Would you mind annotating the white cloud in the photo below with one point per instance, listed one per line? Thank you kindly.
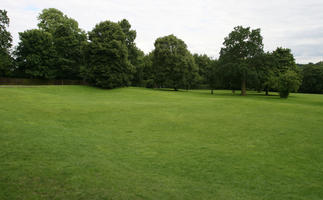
(201, 24)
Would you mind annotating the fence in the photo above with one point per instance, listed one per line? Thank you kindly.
(24, 81)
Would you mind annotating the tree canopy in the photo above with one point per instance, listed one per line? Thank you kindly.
(173, 62)
(239, 51)
(107, 57)
(5, 44)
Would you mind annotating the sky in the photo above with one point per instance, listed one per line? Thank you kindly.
(203, 24)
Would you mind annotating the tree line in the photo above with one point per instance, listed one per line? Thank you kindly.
(107, 57)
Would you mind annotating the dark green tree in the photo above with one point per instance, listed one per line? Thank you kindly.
(203, 62)
(213, 76)
(312, 78)
(5, 45)
(289, 81)
(284, 60)
(69, 41)
(171, 61)
(107, 54)
(191, 73)
(240, 48)
(266, 74)
(135, 55)
(36, 54)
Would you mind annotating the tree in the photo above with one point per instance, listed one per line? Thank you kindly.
(107, 54)
(266, 75)
(171, 61)
(135, 55)
(36, 54)
(69, 41)
(212, 75)
(284, 60)
(288, 82)
(240, 48)
(312, 78)
(191, 73)
(5, 44)
(203, 62)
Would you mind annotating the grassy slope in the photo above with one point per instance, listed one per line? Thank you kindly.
(77, 142)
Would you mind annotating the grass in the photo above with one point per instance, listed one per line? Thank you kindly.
(77, 142)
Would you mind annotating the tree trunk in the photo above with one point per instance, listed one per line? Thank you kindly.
(243, 87)
(267, 92)
(233, 91)
(175, 89)
(212, 91)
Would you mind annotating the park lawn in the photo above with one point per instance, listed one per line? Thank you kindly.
(78, 142)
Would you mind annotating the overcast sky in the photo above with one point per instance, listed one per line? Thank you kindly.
(203, 24)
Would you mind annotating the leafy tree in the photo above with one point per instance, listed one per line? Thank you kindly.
(203, 62)
(107, 55)
(265, 77)
(191, 73)
(212, 75)
(312, 78)
(135, 55)
(240, 48)
(289, 81)
(5, 44)
(69, 41)
(36, 54)
(284, 60)
(171, 61)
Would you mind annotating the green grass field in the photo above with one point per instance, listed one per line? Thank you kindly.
(77, 142)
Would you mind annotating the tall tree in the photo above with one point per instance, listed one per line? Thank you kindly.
(108, 65)
(69, 41)
(266, 72)
(170, 61)
(312, 78)
(212, 75)
(5, 44)
(36, 54)
(191, 73)
(135, 55)
(203, 62)
(240, 48)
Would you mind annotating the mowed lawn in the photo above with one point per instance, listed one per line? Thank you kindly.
(77, 142)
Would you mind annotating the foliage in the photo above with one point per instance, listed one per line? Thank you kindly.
(5, 45)
(173, 64)
(240, 48)
(69, 41)
(312, 78)
(36, 54)
(288, 82)
(203, 62)
(107, 56)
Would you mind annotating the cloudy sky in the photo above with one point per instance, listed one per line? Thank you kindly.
(202, 24)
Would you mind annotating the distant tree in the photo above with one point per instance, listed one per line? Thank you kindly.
(212, 75)
(69, 41)
(312, 78)
(191, 73)
(107, 54)
(284, 60)
(171, 61)
(240, 48)
(203, 62)
(289, 81)
(5, 45)
(266, 74)
(135, 55)
(36, 54)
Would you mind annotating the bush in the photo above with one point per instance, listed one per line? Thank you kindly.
(288, 82)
